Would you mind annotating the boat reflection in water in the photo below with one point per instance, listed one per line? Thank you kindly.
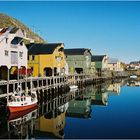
(52, 124)
(22, 117)
(21, 125)
(133, 82)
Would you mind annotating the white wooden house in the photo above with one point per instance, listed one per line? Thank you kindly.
(114, 65)
(13, 52)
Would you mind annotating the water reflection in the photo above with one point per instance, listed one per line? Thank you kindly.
(133, 82)
(52, 123)
(49, 119)
(80, 107)
(19, 125)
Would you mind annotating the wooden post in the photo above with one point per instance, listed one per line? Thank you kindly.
(26, 88)
(8, 85)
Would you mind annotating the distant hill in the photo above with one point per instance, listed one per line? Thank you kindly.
(135, 62)
(7, 21)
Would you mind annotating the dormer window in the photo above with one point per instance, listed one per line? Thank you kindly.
(16, 40)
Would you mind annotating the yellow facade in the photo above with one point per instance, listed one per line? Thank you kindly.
(42, 61)
(53, 125)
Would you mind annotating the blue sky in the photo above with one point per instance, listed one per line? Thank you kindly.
(111, 28)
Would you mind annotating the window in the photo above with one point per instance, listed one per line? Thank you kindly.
(6, 40)
(6, 53)
(21, 55)
(14, 57)
(32, 68)
(33, 57)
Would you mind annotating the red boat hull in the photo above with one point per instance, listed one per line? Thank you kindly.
(21, 108)
(15, 115)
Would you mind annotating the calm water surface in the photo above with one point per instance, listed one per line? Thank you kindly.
(109, 110)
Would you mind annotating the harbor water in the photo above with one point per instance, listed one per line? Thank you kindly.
(107, 110)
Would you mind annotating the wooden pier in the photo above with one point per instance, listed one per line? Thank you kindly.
(48, 85)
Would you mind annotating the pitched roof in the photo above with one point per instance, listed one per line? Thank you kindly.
(97, 58)
(113, 60)
(34, 49)
(14, 30)
(75, 51)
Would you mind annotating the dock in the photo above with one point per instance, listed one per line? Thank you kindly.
(48, 85)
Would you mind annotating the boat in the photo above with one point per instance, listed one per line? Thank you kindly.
(15, 115)
(73, 87)
(133, 76)
(20, 101)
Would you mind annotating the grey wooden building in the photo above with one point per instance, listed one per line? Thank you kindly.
(79, 60)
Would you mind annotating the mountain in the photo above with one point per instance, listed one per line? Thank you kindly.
(7, 21)
(135, 62)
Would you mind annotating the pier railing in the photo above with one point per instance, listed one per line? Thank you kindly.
(44, 83)
(32, 84)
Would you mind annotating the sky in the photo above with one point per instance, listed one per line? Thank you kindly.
(111, 28)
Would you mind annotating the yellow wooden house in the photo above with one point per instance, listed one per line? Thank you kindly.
(46, 59)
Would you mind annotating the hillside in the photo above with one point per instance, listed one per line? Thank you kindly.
(7, 21)
(135, 62)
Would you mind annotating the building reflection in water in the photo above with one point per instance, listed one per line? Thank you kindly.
(48, 121)
(99, 95)
(52, 123)
(133, 82)
(114, 88)
(80, 107)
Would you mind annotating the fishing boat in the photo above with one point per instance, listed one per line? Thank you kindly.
(20, 102)
(73, 87)
(15, 116)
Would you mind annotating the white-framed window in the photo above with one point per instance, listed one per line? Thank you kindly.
(14, 57)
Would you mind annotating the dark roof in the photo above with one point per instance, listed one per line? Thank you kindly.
(97, 58)
(14, 30)
(34, 49)
(79, 115)
(97, 102)
(113, 60)
(75, 51)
